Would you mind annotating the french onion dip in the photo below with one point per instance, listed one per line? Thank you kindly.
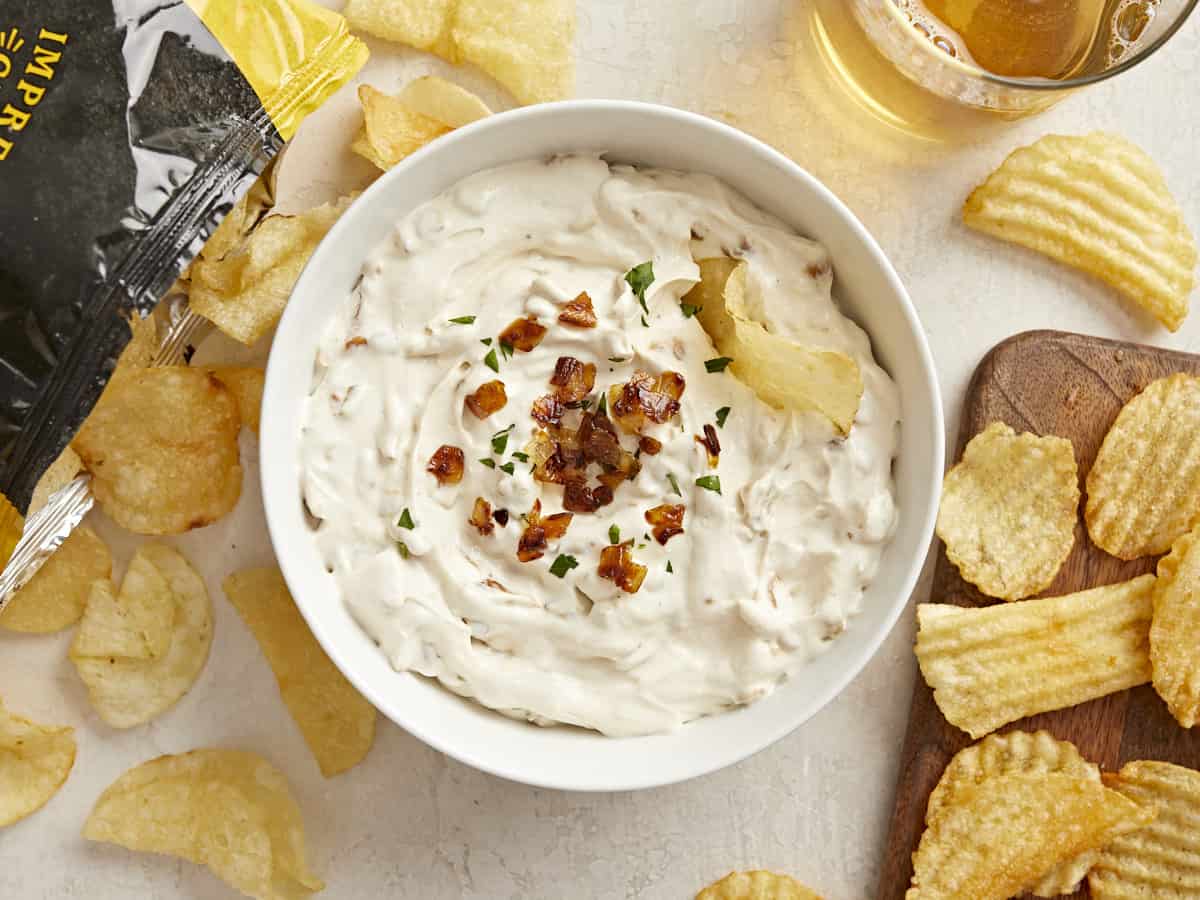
(534, 480)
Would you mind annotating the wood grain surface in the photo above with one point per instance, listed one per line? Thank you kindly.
(1046, 382)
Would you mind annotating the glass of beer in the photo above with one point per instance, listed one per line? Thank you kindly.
(1001, 58)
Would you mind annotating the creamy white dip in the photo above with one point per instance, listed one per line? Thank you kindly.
(765, 574)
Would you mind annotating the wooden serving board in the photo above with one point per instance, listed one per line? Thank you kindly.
(1046, 382)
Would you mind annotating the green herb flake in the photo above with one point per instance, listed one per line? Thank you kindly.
(404, 554)
(463, 320)
(506, 349)
(710, 483)
(500, 440)
(489, 462)
(602, 406)
(616, 359)
(722, 415)
(614, 534)
(670, 568)
(717, 365)
(639, 279)
(674, 483)
(689, 310)
(645, 324)
(491, 362)
(508, 468)
(562, 565)
(487, 342)
(406, 520)
(518, 455)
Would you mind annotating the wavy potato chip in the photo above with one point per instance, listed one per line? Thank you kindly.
(1144, 487)
(337, 722)
(391, 130)
(782, 372)
(127, 691)
(1010, 830)
(1175, 630)
(228, 810)
(994, 665)
(1008, 511)
(56, 596)
(1162, 860)
(246, 385)
(135, 624)
(1100, 204)
(242, 282)
(1017, 753)
(35, 760)
(757, 885)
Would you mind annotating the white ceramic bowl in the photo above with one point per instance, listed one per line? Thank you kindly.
(868, 290)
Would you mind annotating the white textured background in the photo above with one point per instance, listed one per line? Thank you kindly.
(410, 823)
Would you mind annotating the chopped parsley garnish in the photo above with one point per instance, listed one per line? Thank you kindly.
(722, 415)
(670, 568)
(489, 462)
(717, 365)
(403, 550)
(640, 278)
(406, 520)
(602, 406)
(710, 483)
(645, 324)
(506, 349)
(616, 359)
(689, 310)
(523, 457)
(508, 468)
(563, 564)
(614, 534)
(463, 320)
(491, 362)
(674, 483)
(500, 440)
(487, 342)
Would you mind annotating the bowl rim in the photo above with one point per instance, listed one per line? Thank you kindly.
(276, 382)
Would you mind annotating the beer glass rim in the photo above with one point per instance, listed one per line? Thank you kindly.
(1046, 85)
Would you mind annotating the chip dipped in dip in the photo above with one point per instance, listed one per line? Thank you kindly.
(535, 480)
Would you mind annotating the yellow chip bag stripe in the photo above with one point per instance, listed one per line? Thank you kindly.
(998, 664)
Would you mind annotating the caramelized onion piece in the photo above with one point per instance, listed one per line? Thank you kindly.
(598, 439)
(711, 444)
(547, 411)
(645, 397)
(481, 517)
(446, 465)
(357, 341)
(579, 497)
(488, 398)
(501, 517)
(617, 565)
(667, 521)
(572, 379)
(523, 334)
(539, 532)
(579, 312)
(649, 445)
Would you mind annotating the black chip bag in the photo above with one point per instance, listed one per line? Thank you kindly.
(128, 129)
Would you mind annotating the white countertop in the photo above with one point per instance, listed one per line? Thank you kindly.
(410, 823)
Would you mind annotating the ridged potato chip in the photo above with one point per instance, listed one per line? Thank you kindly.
(246, 385)
(994, 665)
(1018, 753)
(1100, 204)
(1175, 631)
(35, 760)
(1008, 511)
(757, 885)
(337, 722)
(241, 281)
(56, 596)
(228, 810)
(781, 371)
(162, 449)
(1162, 860)
(127, 691)
(1144, 487)
(1010, 830)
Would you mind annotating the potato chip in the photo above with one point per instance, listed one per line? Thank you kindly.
(391, 130)
(782, 372)
(526, 45)
(61, 473)
(1175, 631)
(242, 286)
(424, 24)
(757, 885)
(229, 810)
(35, 760)
(56, 596)
(1100, 204)
(1144, 487)
(1018, 753)
(1008, 511)
(246, 385)
(337, 722)
(444, 101)
(128, 691)
(162, 448)
(1162, 860)
(135, 624)
(1008, 831)
(993, 665)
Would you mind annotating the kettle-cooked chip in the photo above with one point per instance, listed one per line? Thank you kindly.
(127, 691)
(228, 810)
(1017, 753)
(1010, 830)
(162, 448)
(246, 385)
(134, 624)
(444, 101)
(1175, 631)
(61, 473)
(391, 130)
(757, 885)
(993, 665)
(781, 371)
(1144, 487)
(337, 722)
(1008, 511)
(34, 762)
(56, 596)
